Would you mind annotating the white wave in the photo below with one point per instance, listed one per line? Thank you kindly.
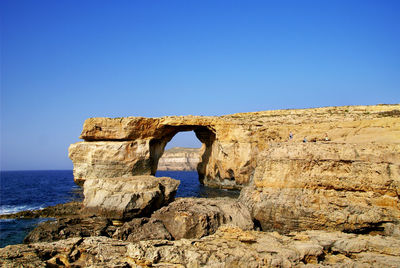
(8, 209)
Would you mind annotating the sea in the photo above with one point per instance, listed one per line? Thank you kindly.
(31, 190)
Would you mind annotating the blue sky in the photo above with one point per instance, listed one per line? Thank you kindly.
(65, 61)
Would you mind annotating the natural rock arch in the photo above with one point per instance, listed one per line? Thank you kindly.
(292, 185)
(205, 134)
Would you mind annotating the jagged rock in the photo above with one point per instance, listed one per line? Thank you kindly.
(125, 198)
(228, 247)
(317, 186)
(135, 230)
(70, 209)
(142, 229)
(179, 159)
(198, 217)
(64, 228)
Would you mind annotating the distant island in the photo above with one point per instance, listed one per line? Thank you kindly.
(180, 159)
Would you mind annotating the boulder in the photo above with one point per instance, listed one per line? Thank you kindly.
(198, 217)
(126, 198)
(141, 229)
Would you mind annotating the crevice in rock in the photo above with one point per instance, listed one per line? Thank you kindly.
(372, 229)
(257, 225)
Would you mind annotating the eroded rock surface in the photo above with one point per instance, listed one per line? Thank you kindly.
(317, 186)
(183, 218)
(71, 209)
(198, 217)
(129, 197)
(64, 228)
(179, 159)
(228, 247)
(346, 176)
(119, 147)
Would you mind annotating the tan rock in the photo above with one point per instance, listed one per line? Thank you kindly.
(231, 143)
(345, 177)
(180, 159)
(102, 159)
(324, 186)
(228, 247)
(198, 217)
(125, 198)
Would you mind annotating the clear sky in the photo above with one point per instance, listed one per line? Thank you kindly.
(65, 61)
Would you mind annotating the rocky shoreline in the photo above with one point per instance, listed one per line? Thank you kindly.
(71, 209)
(227, 247)
(191, 232)
(334, 201)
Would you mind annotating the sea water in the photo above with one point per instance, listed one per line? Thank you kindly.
(30, 190)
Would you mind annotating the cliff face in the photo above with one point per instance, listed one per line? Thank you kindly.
(180, 159)
(346, 176)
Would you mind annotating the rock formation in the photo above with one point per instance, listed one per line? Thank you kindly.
(120, 147)
(345, 177)
(198, 217)
(128, 197)
(179, 159)
(308, 174)
(228, 247)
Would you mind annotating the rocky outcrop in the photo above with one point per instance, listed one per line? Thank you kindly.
(180, 159)
(141, 229)
(228, 247)
(183, 218)
(121, 147)
(324, 186)
(70, 209)
(129, 197)
(64, 228)
(138, 229)
(346, 176)
(198, 217)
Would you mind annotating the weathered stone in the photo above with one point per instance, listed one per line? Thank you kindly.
(345, 177)
(198, 217)
(141, 229)
(64, 228)
(71, 209)
(317, 186)
(228, 247)
(110, 159)
(179, 159)
(138, 229)
(125, 198)
(231, 143)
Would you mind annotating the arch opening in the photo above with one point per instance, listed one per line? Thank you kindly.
(192, 181)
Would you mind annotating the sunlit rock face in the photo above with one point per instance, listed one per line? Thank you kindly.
(129, 197)
(333, 166)
(179, 159)
(325, 186)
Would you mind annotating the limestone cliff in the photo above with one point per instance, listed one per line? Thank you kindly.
(179, 159)
(345, 176)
